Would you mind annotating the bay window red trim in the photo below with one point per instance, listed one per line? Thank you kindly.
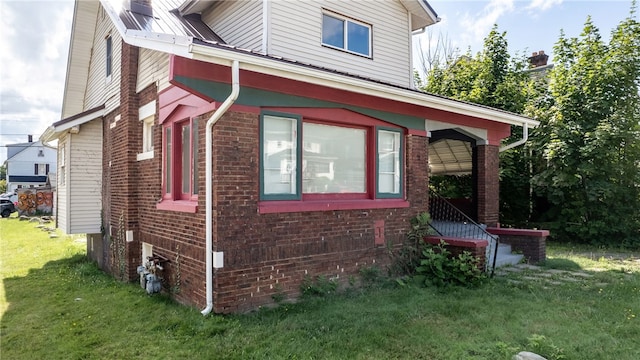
(271, 207)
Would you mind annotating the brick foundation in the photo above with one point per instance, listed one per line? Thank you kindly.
(476, 247)
(532, 243)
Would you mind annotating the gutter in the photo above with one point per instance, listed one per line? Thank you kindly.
(525, 136)
(235, 90)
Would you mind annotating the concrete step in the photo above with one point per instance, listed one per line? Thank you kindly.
(504, 249)
(461, 230)
(508, 259)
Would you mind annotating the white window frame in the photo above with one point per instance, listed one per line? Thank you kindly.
(345, 21)
(62, 177)
(146, 115)
(108, 44)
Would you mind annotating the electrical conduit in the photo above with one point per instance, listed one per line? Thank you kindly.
(235, 90)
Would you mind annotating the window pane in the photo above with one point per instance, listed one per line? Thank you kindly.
(389, 162)
(279, 157)
(109, 53)
(333, 160)
(358, 38)
(194, 151)
(167, 160)
(185, 152)
(332, 31)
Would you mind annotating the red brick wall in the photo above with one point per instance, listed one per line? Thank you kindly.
(273, 252)
(488, 184)
(264, 254)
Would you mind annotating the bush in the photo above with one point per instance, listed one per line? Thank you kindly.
(439, 268)
(407, 259)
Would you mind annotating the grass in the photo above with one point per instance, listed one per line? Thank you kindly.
(57, 305)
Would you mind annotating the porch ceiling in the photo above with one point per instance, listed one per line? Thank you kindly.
(450, 157)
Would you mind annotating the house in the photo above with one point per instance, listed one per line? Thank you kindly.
(28, 164)
(245, 145)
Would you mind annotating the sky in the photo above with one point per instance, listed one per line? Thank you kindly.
(35, 35)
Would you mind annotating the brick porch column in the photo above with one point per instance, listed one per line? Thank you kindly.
(488, 184)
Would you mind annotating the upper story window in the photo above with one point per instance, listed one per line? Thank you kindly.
(346, 34)
(40, 169)
(308, 159)
(109, 57)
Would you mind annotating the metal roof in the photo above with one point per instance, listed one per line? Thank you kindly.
(164, 18)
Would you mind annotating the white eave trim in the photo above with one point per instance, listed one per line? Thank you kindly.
(53, 132)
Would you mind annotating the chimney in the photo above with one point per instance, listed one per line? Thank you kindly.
(30, 138)
(142, 7)
(538, 59)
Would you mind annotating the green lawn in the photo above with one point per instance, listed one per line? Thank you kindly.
(56, 305)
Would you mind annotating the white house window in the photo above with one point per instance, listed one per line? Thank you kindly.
(346, 34)
(146, 114)
(40, 153)
(389, 163)
(109, 57)
(41, 169)
(62, 173)
(319, 159)
(333, 159)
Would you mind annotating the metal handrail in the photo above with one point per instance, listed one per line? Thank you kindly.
(458, 224)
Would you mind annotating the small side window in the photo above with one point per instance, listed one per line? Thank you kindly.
(109, 57)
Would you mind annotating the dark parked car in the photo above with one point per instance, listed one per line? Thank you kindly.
(6, 207)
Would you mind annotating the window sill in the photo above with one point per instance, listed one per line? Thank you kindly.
(145, 155)
(178, 205)
(271, 207)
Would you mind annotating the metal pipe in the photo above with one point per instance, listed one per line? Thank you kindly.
(235, 90)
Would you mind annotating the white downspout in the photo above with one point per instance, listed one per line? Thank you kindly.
(235, 90)
(525, 136)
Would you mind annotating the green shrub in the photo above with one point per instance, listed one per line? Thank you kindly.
(321, 286)
(405, 261)
(439, 268)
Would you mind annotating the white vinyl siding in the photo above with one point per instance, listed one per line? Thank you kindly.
(153, 68)
(238, 23)
(84, 180)
(296, 33)
(99, 90)
(62, 188)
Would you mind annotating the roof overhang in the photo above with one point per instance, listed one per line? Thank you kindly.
(221, 54)
(262, 64)
(422, 14)
(54, 131)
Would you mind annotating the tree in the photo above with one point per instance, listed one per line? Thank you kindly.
(494, 79)
(590, 137)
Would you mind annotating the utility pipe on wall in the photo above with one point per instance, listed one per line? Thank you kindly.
(525, 136)
(235, 90)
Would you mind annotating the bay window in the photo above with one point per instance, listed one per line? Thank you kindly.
(307, 160)
(180, 161)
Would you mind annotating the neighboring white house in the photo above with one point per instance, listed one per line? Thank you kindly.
(79, 183)
(28, 164)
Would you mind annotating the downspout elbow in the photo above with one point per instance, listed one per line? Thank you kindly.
(224, 107)
(525, 137)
